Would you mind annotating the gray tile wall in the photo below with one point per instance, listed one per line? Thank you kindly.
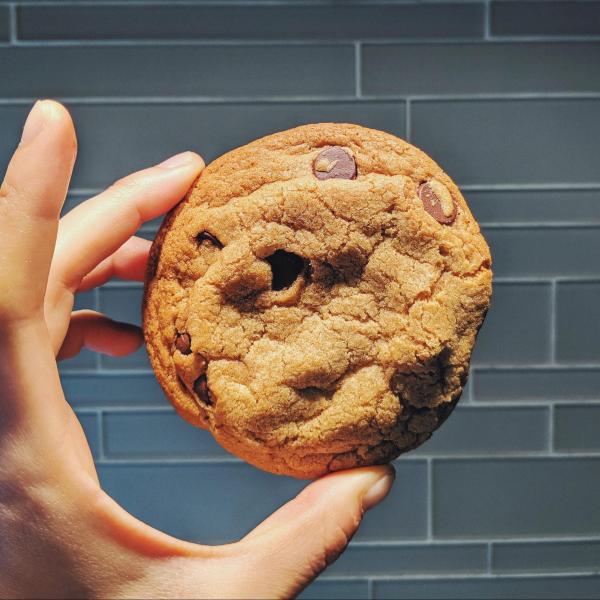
(505, 500)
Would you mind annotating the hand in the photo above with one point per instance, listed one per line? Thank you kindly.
(60, 535)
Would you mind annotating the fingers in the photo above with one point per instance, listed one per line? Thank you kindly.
(93, 330)
(95, 229)
(128, 262)
(31, 197)
(303, 537)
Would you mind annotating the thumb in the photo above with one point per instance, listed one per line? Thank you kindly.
(303, 537)
(31, 197)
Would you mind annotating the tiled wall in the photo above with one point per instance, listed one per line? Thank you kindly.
(505, 500)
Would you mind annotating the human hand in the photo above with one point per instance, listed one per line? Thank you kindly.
(61, 536)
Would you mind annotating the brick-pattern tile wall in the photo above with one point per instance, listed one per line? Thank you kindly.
(505, 499)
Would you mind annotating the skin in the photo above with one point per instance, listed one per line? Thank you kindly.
(61, 535)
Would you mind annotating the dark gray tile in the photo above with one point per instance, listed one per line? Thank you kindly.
(479, 68)
(355, 589)
(578, 322)
(519, 497)
(115, 140)
(211, 503)
(536, 384)
(411, 560)
(535, 252)
(572, 588)
(122, 303)
(511, 141)
(517, 326)
(231, 22)
(89, 423)
(178, 70)
(403, 514)
(129, 434)
(112, 389)
(4, 24)
(576, 428)
(477, 430)
(535, 206)
(562, 17)
(545, 556)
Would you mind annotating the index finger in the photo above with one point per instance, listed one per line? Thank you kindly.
(95, 229)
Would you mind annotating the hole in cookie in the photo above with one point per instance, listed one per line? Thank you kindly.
(208, 238)
(286, 268)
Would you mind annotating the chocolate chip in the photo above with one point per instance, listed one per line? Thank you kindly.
(183, 343)
(202, 391)
(438, 202)
(204, 236)
(286, 268)
(334, 163)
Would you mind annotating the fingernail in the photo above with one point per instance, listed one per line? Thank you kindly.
(179, 160)
(34, 124)
(378, 491)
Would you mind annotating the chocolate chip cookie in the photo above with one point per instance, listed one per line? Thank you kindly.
(315, 298)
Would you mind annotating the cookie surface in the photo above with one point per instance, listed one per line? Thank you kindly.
(315, 299)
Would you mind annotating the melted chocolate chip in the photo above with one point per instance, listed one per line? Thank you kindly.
(334, 163)
(286, 268)
(202, 391)
(440, 206)
(183, 343)
(204, 236)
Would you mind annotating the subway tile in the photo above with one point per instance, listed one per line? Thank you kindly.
(112, 389)
(555, 18)
(480, 430)
(355, 589)
(155, 434)
(420, 559)
(576, 429)
(546, 556)
(89, 423)
(535, 206)
(260, 22)
(580, 587)
(535, 384)
(518, 497)
(481, 142)
(209, 503)
(4, 24)
(115, 140)
(578, 322)
(403, 514)
(552, 252)
(123, 303)
(177, 70)
(479, 68)
(517, 326)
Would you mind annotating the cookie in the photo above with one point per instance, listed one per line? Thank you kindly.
(315, 298)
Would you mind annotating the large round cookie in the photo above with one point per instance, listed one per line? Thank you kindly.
(315, 299)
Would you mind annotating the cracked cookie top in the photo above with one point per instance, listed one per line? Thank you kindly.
(315, 299)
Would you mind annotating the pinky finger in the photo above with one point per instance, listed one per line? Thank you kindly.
(93, 330)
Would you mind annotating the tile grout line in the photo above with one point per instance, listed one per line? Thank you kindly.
(100, 433)
(12, 15)
(487, 25)
(357, 70)
(370, 590)
(430, 499)
(551, 413)
(553, 320)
